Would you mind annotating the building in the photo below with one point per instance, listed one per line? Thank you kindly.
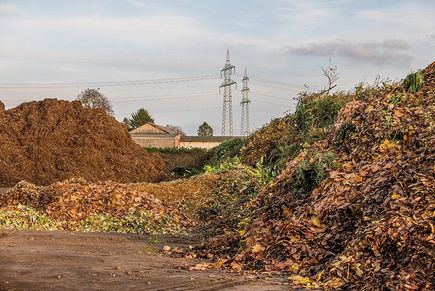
(155, 136)
(205, 142)
(159, 136)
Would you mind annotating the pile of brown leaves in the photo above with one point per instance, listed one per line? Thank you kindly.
(370, 223)
(188, 196)
(75, 200)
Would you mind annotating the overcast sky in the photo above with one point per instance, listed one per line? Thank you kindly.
(47, 47)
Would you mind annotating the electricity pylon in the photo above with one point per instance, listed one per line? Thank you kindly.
(244, 127)
(227, 111)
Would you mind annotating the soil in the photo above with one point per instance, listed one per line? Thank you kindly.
(52, 140)
(106, 261)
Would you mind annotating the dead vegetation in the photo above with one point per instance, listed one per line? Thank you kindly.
(338, 195)
(354, 207)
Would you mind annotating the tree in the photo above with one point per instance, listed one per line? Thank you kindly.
(205, 130)
(177, 129)
(332, 77)
(137, 119)
(93, 98)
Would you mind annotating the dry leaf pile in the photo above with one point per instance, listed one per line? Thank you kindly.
(106, 206)
(188, 196)
(369, 224)
(52, 140)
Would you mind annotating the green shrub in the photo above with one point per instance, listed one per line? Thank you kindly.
(413, 82)
(175, 150)
(320, 112)
(225, 165)
(263, 174)
(226, 150)
(310, 173)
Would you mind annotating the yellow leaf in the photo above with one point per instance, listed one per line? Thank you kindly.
(293, 268)
(387, 145)
(377, 266)
(395, 196)
(242, 232)
(316, 222)
(358, 271)
(257, 248)
(299, 280)
(369, 109)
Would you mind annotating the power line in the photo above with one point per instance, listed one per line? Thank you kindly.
(180, 110)
(273, 83)
(276, 87)
(184, 96)
(271, 103)
(270, 96)
(109, 83)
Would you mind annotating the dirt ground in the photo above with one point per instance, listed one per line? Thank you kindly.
(32, 260)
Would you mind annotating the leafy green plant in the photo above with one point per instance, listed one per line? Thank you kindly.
(263, 174)
(310, 173)
(396, 98)
(227, 149)
(320, 112)
(225, 165)
(413, 82)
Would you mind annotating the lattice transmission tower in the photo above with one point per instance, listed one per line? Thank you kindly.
(244, 127)
(227, 111)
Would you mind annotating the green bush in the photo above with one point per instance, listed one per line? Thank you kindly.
(320, 112)
(413, 82)
(175, 150)
(310, 123)
(310, 173)
(226, 150)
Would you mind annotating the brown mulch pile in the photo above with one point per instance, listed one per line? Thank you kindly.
(52, 140)
(370, 224)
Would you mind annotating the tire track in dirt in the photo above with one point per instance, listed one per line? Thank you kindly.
(105, 261)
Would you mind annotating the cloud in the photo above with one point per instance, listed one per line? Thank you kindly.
(7, 8)
(383, 52)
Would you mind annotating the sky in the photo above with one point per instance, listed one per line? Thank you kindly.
(166, 56)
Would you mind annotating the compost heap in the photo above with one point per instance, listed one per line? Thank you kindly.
(76, 204)
(52, 140)
(369, 223)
